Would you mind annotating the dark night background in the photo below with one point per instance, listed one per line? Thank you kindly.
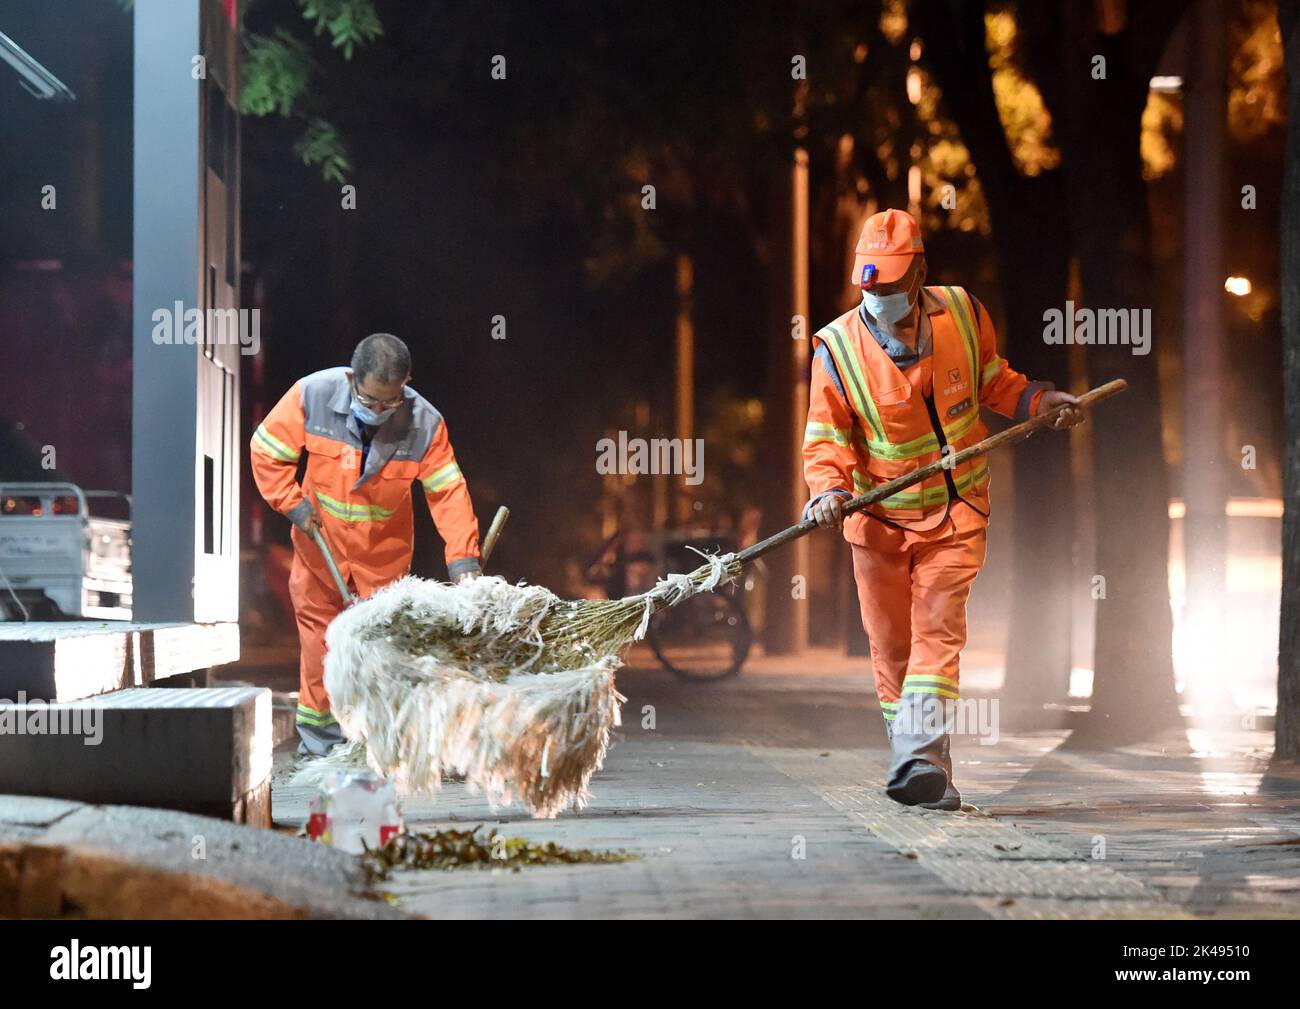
(475, 198)
(520, 198)
(1132, 654)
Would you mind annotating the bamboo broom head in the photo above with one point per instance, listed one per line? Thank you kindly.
(509, 686)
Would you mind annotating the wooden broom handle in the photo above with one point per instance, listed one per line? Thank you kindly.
(318, 535)
(493, 534)
(1011, 435)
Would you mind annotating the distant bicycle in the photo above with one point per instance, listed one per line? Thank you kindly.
(705, 638)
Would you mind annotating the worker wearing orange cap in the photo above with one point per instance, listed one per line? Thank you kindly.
(368, 436)
(898, 382)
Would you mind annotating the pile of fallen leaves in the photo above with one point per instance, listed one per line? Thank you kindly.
(474, 849)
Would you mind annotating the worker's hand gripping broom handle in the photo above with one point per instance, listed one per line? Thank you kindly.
(1007, 437)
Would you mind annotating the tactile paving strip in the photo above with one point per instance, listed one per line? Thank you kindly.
(975, 854)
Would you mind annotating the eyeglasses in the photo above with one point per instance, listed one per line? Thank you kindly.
(370, 403)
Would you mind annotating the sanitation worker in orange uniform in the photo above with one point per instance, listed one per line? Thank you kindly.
(368, 435)
(898, 382)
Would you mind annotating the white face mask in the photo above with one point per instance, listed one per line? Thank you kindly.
(889, 308)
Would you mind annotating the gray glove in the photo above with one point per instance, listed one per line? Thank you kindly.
(303, 515)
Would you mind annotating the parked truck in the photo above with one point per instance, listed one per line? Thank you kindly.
(59, 561)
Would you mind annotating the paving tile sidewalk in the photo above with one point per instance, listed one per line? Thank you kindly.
(760, 797)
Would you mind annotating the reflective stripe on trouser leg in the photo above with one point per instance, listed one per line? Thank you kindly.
(884, 596)
(942, 573)
(317, 731)
(315, 604)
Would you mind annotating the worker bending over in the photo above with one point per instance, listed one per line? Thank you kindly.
(898, 382)
(367, 435)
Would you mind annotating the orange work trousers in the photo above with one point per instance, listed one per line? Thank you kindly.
(315, 604)
(912, 588)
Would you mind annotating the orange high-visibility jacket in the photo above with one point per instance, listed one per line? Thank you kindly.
(869, 422)
(365, 515)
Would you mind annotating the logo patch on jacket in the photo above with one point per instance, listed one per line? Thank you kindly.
(961, 407)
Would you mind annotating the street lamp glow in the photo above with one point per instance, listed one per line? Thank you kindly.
(1240, 286)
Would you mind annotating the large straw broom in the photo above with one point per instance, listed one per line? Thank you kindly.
(510, 686)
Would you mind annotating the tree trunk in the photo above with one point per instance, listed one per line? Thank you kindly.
(782, 620)
(1288, 665)
(1033, 276)
(1098, 123)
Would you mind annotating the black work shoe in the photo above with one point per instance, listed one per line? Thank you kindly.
(920, 782)
(950, 803)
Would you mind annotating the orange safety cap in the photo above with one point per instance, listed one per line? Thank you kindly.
(889, 240)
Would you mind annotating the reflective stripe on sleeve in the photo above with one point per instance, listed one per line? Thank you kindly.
(815, 432)
(990, 370)
(272, 446)
(442, 478)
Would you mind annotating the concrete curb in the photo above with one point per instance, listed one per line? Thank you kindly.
(60, 858)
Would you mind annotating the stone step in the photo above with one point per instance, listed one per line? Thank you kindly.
(201, 750)
(63, 660)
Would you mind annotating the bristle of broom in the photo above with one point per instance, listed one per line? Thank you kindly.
(316, 772)
(507, 685)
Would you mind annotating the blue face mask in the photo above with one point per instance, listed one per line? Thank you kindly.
(889, 308)
(368, 416)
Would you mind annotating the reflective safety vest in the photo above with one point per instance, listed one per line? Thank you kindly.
(903, 420)
(362, 496)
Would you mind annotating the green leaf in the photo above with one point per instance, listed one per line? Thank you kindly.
(321, 144)
(349, 23)
(274, 73)
(277, 70)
